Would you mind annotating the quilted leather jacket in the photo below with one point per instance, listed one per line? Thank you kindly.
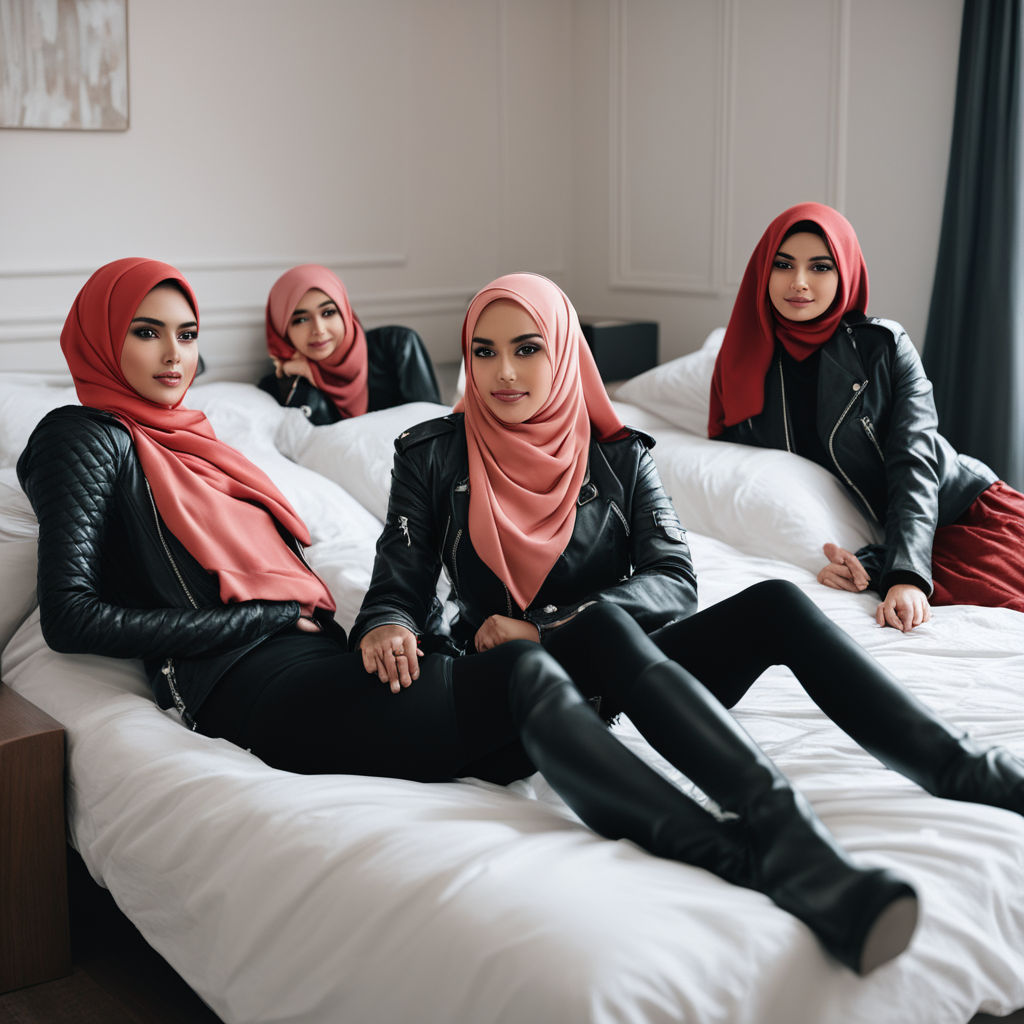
(627, 545)
(877, 422)
(114, 581)
(400, 371)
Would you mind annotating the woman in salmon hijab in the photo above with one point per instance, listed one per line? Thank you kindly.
(803, 368)
(325, 363)
(549, 521)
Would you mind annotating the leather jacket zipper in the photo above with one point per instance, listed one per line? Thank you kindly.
(455, 568)
(167, 669)
(865, 422)
(622, 518)
(858, 390)
(785, 417)
(167, 550)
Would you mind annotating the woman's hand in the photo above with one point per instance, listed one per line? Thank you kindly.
(905, 606)
(392, 653)
(499, 629)
(296, 366)
(844, 571)
(307, 625)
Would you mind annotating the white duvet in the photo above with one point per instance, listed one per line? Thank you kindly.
(366, 901)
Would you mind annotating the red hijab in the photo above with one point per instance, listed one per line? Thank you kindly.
(345, 372)
(737, 387)
(214, 500)
(525, 478)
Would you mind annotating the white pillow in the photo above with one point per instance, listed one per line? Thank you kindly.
(759, 500)
(679, 390)
(19, 533)
(356, 453)
(23, 403)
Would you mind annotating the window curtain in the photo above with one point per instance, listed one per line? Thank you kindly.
(974, 343)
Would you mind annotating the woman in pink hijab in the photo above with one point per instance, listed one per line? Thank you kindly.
(325, 363)
(551, 525)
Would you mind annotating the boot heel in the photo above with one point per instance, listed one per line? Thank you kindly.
(890, 934)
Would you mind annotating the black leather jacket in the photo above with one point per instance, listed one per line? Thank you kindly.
(113, 580)
(627, 545)
(399, 368)
(877, 422)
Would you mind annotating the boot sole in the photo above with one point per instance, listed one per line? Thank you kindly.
(890, 934)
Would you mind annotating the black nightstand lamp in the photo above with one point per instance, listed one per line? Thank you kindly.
(621, 348)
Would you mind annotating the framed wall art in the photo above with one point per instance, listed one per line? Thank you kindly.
(64, 64)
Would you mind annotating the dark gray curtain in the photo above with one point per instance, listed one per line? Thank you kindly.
(974, 345)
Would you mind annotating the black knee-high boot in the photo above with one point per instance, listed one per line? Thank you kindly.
(610, 788)
(867, 703)
(863, 916)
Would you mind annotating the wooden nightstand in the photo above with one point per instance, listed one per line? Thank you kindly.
(34, 931)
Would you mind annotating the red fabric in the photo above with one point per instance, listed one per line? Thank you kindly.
(737, 386)
(213, 499)
(344, 374)
(525, 478)
(978, 559)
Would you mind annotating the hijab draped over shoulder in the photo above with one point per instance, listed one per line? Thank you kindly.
(737, 386)
(525, 478)
(219, 505)
(344, 374)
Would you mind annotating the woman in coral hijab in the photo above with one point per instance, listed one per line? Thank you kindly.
(551, 525)
(325, 363)
(803, 368)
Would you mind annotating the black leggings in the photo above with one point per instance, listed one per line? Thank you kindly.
(305, 704)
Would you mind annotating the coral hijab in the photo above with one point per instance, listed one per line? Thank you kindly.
(344, 374)
(737, 387)
(213, 499)
(525, 478)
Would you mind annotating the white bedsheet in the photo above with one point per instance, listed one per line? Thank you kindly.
(344, 899)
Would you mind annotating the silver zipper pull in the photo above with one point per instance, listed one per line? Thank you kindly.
(403, 526)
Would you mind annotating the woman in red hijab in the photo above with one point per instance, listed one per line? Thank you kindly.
(549, 521)
(326, 364)
(803, 368)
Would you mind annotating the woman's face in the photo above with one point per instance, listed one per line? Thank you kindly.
(510, 362)
(161, 348)
(804, 279)
(316, 327)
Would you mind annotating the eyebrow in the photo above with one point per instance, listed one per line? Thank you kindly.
(328, 302)
(813, 259)
(160, 323)
(514, 341)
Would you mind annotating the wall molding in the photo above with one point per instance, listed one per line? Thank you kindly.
(226, 265)
(622, 274)
(717, 279)
(375, 306)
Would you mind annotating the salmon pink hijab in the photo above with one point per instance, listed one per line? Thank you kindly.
(737, 387)
(214, 500)
(344, 374)
(525, 478)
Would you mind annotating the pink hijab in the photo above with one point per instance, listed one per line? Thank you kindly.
(344, 374)
(525, 478)
(214, 500)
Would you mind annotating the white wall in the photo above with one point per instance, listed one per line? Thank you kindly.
(697, 122)
(632, 149)
(379, 137)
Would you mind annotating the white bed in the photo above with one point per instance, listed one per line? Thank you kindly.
(342, 899)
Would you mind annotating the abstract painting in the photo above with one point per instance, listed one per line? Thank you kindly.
(64, 64)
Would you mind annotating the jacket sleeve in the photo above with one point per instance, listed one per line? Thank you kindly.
(71, 477)
(911, 471)
(663, 584)
(408, 563)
